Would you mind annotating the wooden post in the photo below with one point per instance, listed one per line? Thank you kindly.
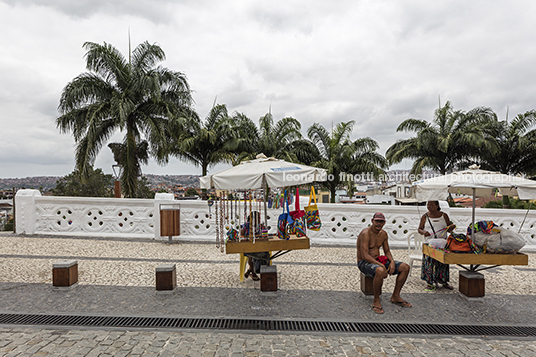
(65, 274)
(166, 277)
(117, 189)
(471, 284)
(268, 277)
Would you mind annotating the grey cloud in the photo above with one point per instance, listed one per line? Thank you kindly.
(152, 10)
(282, 18)
(239, 100)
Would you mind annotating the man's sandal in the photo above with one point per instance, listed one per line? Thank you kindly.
(448, 286)
(402, 303)
(255, 277)
(377, 309)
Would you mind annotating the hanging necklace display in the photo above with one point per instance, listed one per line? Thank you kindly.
(220, 214)
(246, 231)
(216, 221)
(252, 218)
(232, 233)
(226, 210)
(210, 202)
(258, 209)
(231, 217)
(264, 225)
(237, 213)
(222, 207)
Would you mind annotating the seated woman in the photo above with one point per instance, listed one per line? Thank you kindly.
(255, 260)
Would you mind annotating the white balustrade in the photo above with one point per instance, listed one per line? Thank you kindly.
(139, 218)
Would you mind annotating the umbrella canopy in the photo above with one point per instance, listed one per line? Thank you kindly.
(474, 182)
(250, 174)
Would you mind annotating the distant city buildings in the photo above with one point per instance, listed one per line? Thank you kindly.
(392, 188)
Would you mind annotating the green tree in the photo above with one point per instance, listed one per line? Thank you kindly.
(515, 151)
(512, 203)
(282, 140)
(515, 143)
(97, 184)
(140, 153)
(144, 189)
(207, 143)
(191, 192)
(135, 96)
(446, 144)
(9, 225)
(342, 158)
(274, 138)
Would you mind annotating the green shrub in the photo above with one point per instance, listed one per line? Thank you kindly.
(514, 203)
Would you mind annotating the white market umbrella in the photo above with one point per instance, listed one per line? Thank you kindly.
(473, 182)
(254, 174)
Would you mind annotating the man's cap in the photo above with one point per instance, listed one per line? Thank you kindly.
(378, 216)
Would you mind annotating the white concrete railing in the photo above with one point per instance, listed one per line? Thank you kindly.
(139, 218)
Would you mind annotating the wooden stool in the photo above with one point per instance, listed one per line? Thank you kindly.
(166, 278)
(472, 284)
(367, 285)
(65, 275)
(268, 277)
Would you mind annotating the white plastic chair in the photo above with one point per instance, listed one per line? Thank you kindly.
(415, 252)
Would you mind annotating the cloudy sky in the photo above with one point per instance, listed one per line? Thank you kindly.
(376, 62)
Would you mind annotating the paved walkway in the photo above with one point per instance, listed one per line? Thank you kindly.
(117, 278)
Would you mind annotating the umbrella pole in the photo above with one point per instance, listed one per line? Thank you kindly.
(265, 198)
(526, 214)
(474, 208)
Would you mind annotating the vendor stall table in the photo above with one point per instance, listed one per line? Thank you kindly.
(282, 246)
(472, 283)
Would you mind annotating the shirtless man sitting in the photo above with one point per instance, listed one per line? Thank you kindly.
(379, 267)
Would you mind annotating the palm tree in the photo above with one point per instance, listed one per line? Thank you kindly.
(447, 143)
(282, 140)
(141, 153)
(515, 143)
(135, 96)
(516, 149)
(275, 139)
(342, 157)
(207, 143)
(246, 136)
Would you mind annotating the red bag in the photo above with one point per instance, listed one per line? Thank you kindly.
(298, 227)
(297, 213)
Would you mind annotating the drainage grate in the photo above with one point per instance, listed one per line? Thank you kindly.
(266, 325)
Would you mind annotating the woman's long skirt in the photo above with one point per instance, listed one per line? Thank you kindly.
(433, 271)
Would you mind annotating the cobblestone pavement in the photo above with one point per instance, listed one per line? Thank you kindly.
(73, 342)
(117, 277)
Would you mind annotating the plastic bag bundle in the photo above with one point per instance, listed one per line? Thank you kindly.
(507, 242)
(481, 238)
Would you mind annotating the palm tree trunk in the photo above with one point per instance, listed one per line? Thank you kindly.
(204, 169)
(332, 189)
(506, 201)
(130, 175)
